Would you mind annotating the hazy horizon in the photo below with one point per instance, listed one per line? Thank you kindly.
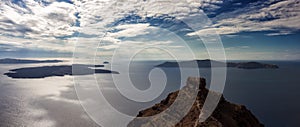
(129, 41)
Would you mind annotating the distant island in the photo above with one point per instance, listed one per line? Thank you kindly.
(24, 61)
(207, 64)
(226, 113)
(62, 70)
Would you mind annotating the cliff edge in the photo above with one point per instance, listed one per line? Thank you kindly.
(225, 115)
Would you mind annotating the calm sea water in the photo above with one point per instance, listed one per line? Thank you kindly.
(272, 95)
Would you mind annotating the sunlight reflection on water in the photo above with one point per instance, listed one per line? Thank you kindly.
(39, 102)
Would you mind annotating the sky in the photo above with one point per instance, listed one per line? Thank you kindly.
(247, 29)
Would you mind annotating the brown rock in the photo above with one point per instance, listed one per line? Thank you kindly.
(225, 115)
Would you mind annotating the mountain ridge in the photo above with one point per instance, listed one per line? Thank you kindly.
(207, 63)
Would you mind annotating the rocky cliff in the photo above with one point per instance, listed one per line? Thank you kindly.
(225, 115)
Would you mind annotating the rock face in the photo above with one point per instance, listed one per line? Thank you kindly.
(225, 115)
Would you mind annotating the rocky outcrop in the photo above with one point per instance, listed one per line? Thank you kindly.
(225, 115)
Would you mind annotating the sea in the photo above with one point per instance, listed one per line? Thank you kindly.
(272, 95)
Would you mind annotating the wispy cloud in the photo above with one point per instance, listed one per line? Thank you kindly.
(58, 25)
(36, 20)
(278, 17)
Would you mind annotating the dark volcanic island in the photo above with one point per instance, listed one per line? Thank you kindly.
(208, 64)
(23, 61)
(62, 70)
(225, 115)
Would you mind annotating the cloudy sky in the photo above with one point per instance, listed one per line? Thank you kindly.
(249, 29)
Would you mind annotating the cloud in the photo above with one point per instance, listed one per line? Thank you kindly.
(279, 17)
(30, 44)
(237, 48)
(36, 20)
(35, 25)
(131, 30)
(54, 25)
